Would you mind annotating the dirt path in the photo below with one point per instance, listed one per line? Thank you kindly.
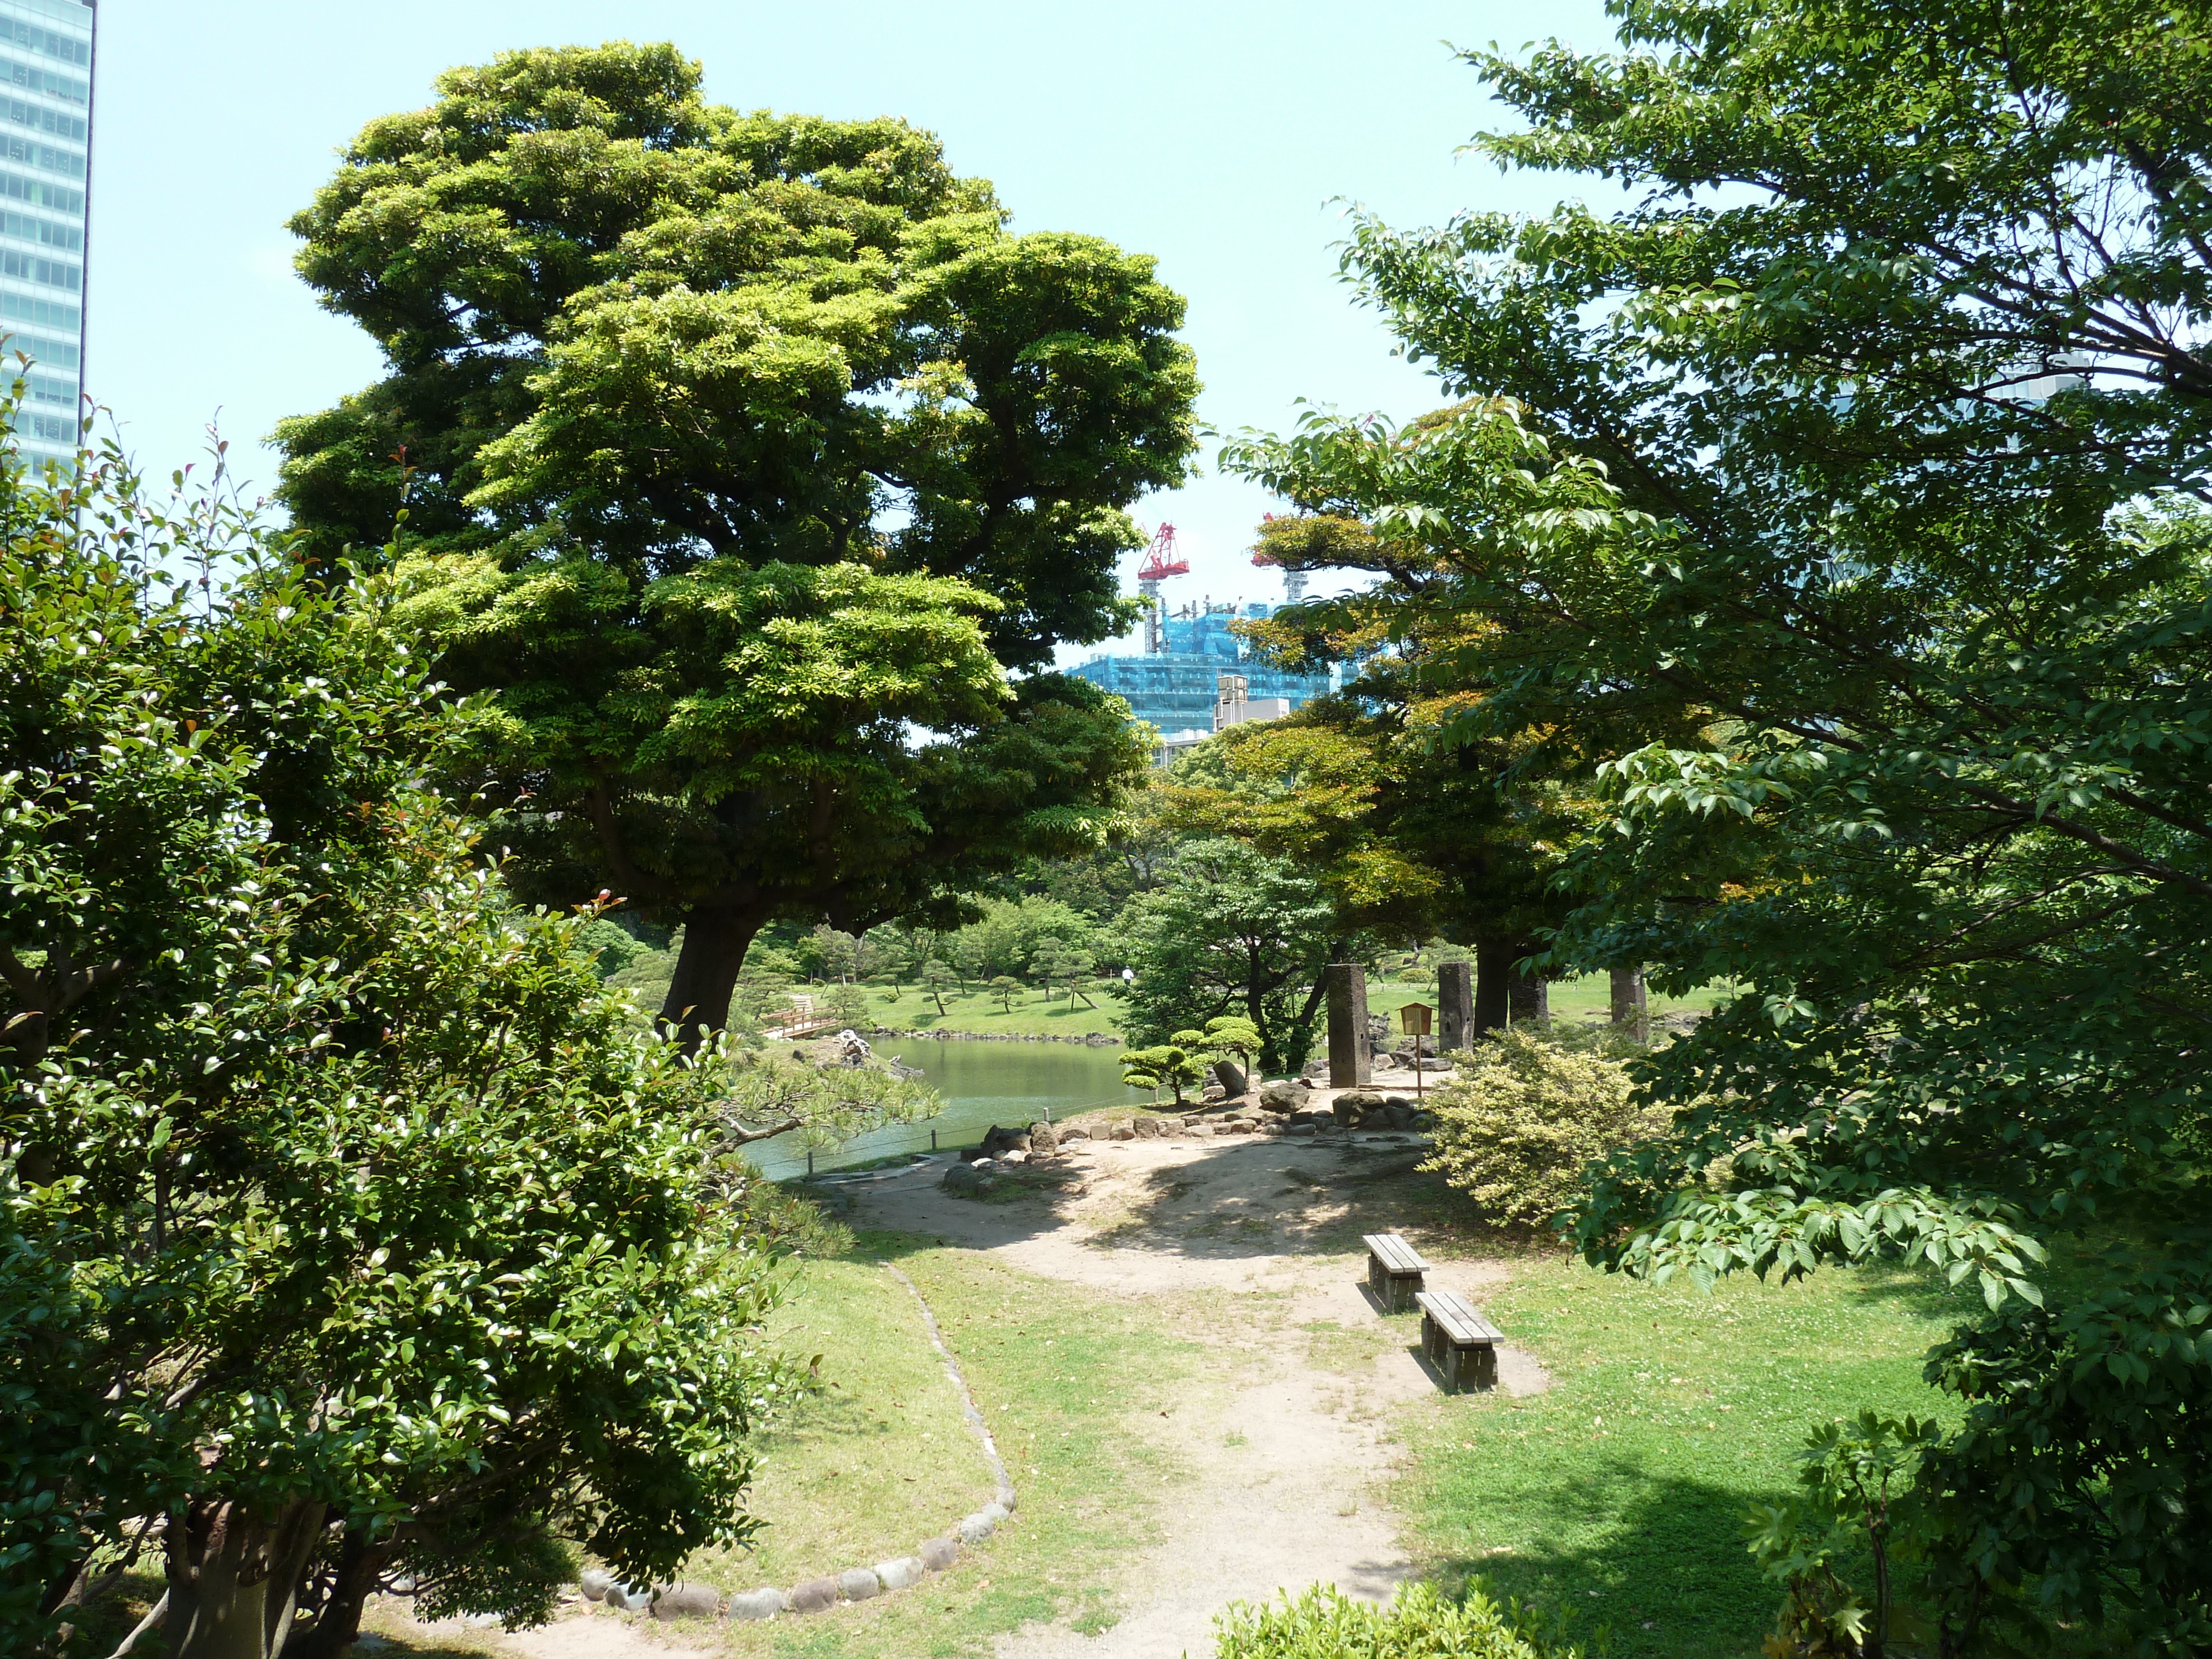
(1287, 1453)
(1290, 1458)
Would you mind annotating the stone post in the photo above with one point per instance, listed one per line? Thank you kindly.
(1454, 1006)
(1350, 1062)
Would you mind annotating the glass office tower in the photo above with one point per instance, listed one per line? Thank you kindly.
(45, 142)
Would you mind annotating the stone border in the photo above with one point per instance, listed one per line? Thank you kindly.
(669, 1601)
(1090, 1040)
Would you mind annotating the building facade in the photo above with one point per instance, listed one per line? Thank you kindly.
(1176, 689)
(45, 147)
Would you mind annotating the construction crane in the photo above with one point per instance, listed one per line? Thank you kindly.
(1294, 581)
(1161, 562)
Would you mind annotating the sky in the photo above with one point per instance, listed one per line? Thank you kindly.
(1225, 139)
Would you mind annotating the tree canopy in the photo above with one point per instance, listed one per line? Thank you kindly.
(1846, 493)
(348, 1226)
(744, 455)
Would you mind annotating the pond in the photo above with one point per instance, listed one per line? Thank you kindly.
(1014, 1084)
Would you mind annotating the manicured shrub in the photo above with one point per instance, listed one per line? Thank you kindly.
(1528, 1109)
(1324, 1623)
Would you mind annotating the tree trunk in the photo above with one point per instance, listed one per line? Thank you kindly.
(235, 1577)
(1493, 977)
(1629, 1007)
(714, 955)
(337, 1622)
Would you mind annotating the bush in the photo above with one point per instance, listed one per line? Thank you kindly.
(1325, 1623)
(1528, 1109)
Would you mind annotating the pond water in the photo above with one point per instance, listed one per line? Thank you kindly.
(1013, 1083)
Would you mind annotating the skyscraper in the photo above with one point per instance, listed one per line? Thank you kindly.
(46, 138)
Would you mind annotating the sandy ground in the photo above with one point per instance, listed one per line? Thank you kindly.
(1288, 1458)
(1301, 1447)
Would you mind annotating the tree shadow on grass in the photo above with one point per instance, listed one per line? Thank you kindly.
(1641, 1565)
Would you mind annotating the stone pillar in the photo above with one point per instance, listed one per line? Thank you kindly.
(1350, 1062)
(1454, 1006)
(1629, 1007)
(1530, 997)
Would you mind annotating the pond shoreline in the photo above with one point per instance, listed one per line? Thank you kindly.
(1089, 1040)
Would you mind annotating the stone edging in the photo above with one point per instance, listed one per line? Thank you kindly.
(667, 1601)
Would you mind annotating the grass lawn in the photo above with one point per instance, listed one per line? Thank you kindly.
(880, 1459)
(1032, 1012)
(1580, 998)
(1618, 1496)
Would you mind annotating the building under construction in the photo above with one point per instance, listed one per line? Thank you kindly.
(1175, 685)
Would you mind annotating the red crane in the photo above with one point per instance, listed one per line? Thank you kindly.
(1161, 559)
(1161, 562)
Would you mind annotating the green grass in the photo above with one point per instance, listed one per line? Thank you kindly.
(1033, 1013)
(1580, 998)
(1617, 1497)
(1058, 1376)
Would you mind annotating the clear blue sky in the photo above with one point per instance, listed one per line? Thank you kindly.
(1215, 136)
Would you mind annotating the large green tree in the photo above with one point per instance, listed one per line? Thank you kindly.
(744, 455)
(348, 1226)
(1853, 478)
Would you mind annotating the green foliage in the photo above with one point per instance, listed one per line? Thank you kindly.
(1845, 494)
(1006, 984)
(345, 1214)
(1164, 1065)
(1526, 1113)
(1007, 938)
(1231, 1035)
(658, 373)
(1228, 929)
(935, 977)
(1324, 1623)
(1853, 1476)
(613, 947)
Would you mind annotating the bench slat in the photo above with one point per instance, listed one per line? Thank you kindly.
(1394, 1253)
(1458, 1318)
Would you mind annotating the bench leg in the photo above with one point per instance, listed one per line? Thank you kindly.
(1454, 1361)
(1486, 1366)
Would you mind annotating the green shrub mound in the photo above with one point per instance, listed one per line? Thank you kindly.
(1325, 1623)
(1527, 1111)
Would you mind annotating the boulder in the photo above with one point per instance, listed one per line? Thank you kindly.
(1123, 1131)
(1044, 1140)
(1298, 1129)
(939, 1554)
(686, 1601)
(901, 1574)
(975, 1528)
(815, 1596)
(1066, 1135)
(997, 1141)
(1281, 1095)
(963, 1179)
(1231, 1077)
(1385, 1061)
(860, 1584)
(1204, 1131)
(1213, 1094)
(757, 1604)
(1354, 1104)
(628, 1598)
(595, 1582)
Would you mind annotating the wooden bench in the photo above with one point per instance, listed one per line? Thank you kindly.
(1393, 1270)
(1459, 1341)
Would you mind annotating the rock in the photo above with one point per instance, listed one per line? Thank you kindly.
(963, 1179)
(686, 1601)
(1385, 1061)
(997, 1141)
(939, 1554)
(1006, 1500)
(757, 1604)
(1354, 1104)
(1283, 1097)
(594, 1583)
(1066, 1135)
(1213, 1093)
(1044, 1140)
(628, 1598)
(901, 1574)
(1013, 1159)
(814, 1595)
(1204, 1131)
(1298, 1129)
(1123, 1131)
(1231, 1078)
(860, 1584)
(998, 1510)
(975, 1528)
(1407, 1101)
